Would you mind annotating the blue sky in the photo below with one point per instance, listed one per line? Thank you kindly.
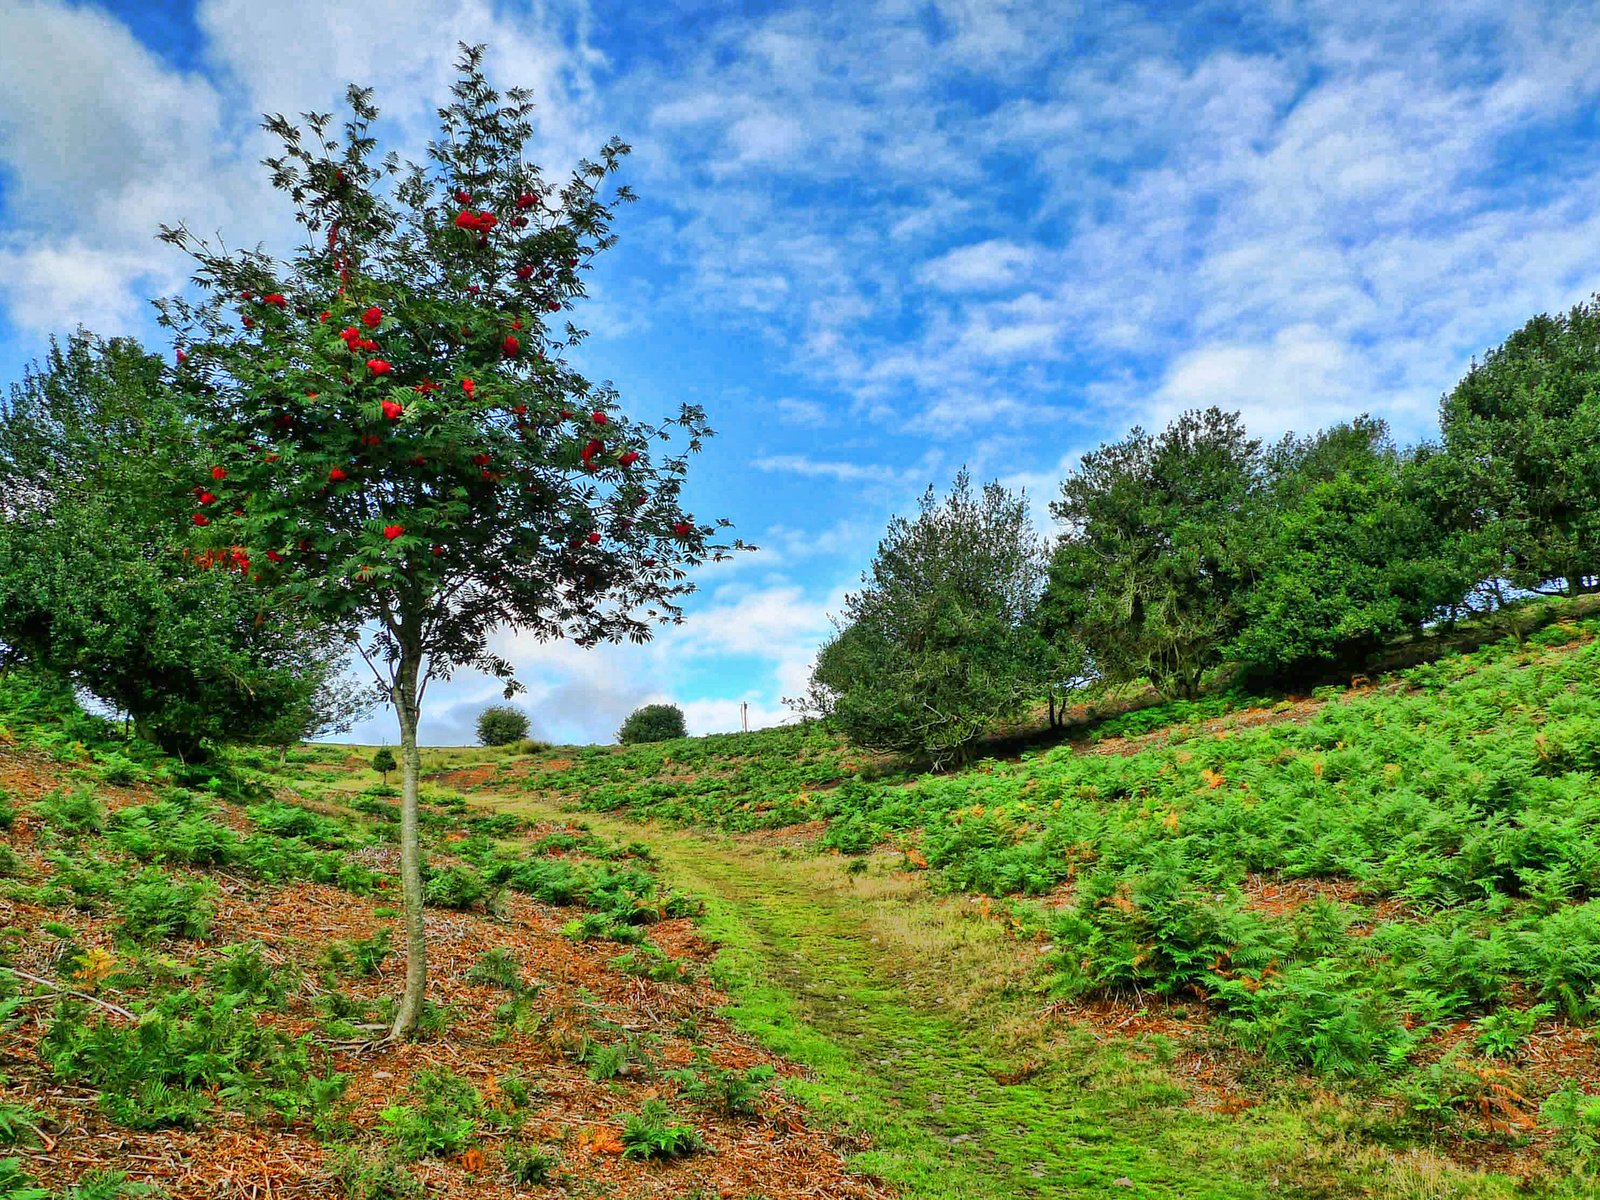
(877, 241)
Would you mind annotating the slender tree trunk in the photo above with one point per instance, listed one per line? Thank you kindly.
(406, 705)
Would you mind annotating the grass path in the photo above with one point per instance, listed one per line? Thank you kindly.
(914, 1019)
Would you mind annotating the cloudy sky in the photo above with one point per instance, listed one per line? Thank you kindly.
(876, 240)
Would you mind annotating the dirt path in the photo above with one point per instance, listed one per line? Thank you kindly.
(919, 1021)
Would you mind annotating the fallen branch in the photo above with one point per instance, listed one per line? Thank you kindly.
(61, 987)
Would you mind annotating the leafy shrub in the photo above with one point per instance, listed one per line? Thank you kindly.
(19, 1123)
(731, 1092)
(652, 723)
(17, 1184)
(109, 1185)
(243, 971)
(10, 862)
(291, 821)
(1504, 1033)
(501, 724)
(361, 1176)
(441, 1118)
(650, 963)
(360, 957)
(72, 813)
(531, 1165)
(156, 906)
(1563, 958)
(173, 830)
(187, 1050)
(455, 887)
(118, 769)
(1574, 1116)
(650, 1133)
(498, 968)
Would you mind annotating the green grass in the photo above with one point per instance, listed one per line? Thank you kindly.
(1447, 823)
(860, 981)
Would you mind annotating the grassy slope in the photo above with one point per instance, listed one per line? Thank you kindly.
(1438, 839)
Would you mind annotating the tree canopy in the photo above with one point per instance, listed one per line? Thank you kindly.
(652, 723)
(940, 641)
(396, 438)
(1522, 447)
(100, 583)
(1152, 568)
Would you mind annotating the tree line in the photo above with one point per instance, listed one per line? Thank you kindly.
(1200, 547)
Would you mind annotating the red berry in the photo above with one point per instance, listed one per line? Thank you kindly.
(275, 300)
(683, 529)
(628, 459)
(219, 472)
(378, 366)
(599, 418)
(594, 539)
(201, 519)
(525, 200)
(468, 386)
(510, 346)
(207, 498)
(337, 475)
(463, 197)
(524, 272)
(274, 556)
(373, 317)
(392, 411)
(393, 531)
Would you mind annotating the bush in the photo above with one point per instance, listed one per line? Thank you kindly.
(650, 1133)
(156, 906)
(441, 1119)
(383, 762)
(501, 724)
(529, 1164)
(652, 723)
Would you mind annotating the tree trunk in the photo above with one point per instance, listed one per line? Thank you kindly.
(406, 705)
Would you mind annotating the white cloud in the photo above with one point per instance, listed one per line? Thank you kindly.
(984, 266)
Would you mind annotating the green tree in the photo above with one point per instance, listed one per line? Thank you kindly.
(1521, 433)
(939, 644)
(652, 723)
(99, 584)
(1346, 554)
(1150, 574)
(396, 436)
(501, 724)
(383, 762)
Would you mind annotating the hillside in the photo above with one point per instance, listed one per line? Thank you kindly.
(1344, 944)
(195, 965)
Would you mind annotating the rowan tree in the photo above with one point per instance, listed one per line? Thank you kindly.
(397, 437)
